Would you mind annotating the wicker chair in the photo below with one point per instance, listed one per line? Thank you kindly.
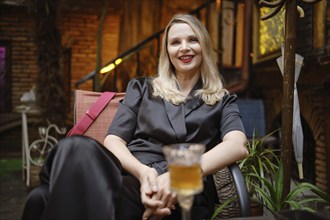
(229, 181)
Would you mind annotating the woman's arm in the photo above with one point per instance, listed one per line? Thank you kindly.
(230, 150)
(146, 175)
(155, 193)
(118, 147)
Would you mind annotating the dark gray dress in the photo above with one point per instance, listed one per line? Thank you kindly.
(148, 123)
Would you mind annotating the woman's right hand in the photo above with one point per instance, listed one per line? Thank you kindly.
(149, 187)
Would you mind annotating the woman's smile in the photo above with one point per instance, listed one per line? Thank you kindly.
(186, 58)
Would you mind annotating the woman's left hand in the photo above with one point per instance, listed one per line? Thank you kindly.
(164, 194)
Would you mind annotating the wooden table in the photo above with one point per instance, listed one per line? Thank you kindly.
(24, 111)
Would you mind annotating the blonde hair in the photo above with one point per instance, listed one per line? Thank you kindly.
(165, 84)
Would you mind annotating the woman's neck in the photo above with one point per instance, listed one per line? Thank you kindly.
(186, 83)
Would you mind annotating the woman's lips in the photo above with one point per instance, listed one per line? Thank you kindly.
(186, 58)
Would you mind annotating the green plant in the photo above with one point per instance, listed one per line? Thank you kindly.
(262, 161)
(263, 172)
(270, 194)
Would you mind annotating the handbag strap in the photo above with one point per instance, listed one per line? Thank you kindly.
(91, 115)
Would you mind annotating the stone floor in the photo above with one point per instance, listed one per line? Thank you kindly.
(12, 191)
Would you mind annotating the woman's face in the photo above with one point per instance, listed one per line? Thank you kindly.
(184, 50)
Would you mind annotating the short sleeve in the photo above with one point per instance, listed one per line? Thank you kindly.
(125, 120)
(230, 118)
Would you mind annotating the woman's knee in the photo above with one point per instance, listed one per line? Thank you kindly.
(77, 145)
(77, 141)
(39, 195)
(85, 146)
(36, 203)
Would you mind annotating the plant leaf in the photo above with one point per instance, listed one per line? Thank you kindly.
(222, 206)
(293, 204)
(279, 185)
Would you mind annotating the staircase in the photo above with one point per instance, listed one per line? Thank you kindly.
(140, 60)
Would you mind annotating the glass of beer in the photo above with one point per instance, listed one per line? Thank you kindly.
(185, 172)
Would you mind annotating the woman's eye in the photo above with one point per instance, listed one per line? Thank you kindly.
(175, 42)
(193, 40)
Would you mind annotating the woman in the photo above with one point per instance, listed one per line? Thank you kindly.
(186, 102)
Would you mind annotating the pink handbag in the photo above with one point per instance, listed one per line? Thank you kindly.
(93, 113)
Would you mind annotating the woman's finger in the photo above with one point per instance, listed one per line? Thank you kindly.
(165, 196)
(147, 214)
(151, 201)
(149, 189)
(171, 201)
(152, 180)
(149, 182)
(155, 214)
(161, 212)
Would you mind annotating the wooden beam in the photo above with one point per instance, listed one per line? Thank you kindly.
(288, 85)
(327, 136)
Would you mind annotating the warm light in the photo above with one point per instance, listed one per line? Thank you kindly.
(118, 61)
(111, 66)
(108, 68)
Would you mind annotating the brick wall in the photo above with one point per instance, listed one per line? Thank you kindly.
(16, 27)
(79, 33)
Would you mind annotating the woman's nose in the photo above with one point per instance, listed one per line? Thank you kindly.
(184, 46)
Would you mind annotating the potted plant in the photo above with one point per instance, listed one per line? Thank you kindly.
(262, 161)
(270, 194)
(263, 172)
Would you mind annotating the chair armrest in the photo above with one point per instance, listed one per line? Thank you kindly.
(242, 193)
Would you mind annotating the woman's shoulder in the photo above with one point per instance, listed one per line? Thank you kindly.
(139, 84)
(140, 81)
(229, 98)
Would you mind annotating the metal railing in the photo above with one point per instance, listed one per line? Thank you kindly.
(135, 51)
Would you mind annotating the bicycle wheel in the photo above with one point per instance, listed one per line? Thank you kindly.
(39, 150)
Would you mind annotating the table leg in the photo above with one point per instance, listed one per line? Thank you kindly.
(23, 149)
(25, 146)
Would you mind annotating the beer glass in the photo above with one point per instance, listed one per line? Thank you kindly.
(185, 173)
